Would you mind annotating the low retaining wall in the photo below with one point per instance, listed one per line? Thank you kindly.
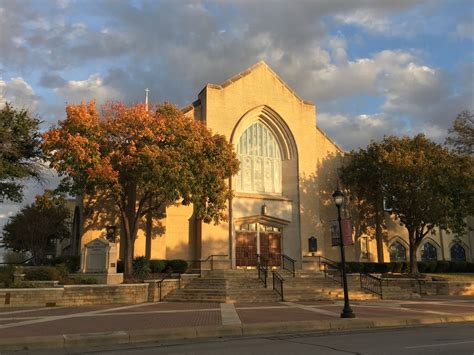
(74, 295)
(81, 295)
(432, 288)
(167, 286)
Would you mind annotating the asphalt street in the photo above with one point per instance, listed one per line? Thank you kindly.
(438, 339)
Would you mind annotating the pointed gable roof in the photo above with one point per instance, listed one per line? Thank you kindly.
(248, 71)
(241, 75)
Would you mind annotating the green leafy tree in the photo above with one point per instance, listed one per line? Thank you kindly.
(36, 227)
(461, 135)
(426, 185)
(134, 156)
(19, 150)
(363, 177)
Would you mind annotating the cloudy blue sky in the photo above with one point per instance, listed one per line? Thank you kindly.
(372, 67)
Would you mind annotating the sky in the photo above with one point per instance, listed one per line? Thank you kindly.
(372, 68)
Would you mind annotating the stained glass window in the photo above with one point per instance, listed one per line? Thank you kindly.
(260, 161)
(458, 253)
(429, 252)
(398, 252)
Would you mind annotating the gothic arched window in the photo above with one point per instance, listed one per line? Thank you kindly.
(398, 252)
(260, 161)
(458, 253)
(429, 252)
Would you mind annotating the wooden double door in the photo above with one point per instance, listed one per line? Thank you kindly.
(246, 249)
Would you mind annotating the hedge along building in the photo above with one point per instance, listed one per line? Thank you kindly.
(282, 194)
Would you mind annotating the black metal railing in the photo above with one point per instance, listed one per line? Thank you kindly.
(197, 265)
(278, 284)
(159, 283)
(371, 283)
(288, 264)
(262, 269)
(331, 269)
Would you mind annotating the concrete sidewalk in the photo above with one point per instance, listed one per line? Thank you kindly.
(69, 327)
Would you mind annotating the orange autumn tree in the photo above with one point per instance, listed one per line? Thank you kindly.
(135, 156)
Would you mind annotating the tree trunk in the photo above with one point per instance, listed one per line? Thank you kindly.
(129, 222)
(413, 264)
(148, 232)
(378, 233)
(128, 258)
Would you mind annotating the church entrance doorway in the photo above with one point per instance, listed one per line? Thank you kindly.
(257, 238)
(246, 248)
(270, 247)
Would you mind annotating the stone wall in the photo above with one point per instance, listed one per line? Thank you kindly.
(74, 295)
(167, 286)
(430, 288)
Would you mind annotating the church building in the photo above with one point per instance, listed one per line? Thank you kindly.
(282, 202)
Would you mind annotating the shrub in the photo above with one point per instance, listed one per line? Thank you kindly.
(427, 266)
(442, 267)
(404, 267)
(42, 273)
(431, 266)
(79, 281)
(388, 267)
(6, 276)
(370, 267)
(353, 267)
(179, 266)
(422, 266)
(72, 262)
(141, 267)
(157, 266)
(457, 266)
(384, 268)
(470, 267)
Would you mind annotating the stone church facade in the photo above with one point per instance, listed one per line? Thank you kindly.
(282, 194)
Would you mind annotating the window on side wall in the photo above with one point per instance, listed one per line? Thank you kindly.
(398, 252)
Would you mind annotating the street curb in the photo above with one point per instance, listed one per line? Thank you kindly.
(68, 341)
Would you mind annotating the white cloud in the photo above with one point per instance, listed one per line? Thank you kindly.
(93, 87)
(353, 131)
(19, 93)
(370, 20)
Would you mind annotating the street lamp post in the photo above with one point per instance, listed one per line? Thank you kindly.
(338, 197)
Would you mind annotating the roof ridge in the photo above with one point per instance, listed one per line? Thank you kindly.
(243, 74)
(249, 70)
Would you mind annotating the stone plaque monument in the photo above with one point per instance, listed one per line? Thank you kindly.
(99, 261)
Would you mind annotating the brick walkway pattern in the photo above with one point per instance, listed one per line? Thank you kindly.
(23, 322)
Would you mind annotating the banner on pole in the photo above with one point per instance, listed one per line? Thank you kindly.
(346, 232)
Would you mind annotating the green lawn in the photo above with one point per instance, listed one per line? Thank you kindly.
(455, 276)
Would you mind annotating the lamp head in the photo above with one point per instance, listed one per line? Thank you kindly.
(338, 197)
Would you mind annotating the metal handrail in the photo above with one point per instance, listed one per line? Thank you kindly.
(262, 269)
(324, 260)
(329, 264)
(168, 276)
(371, 283)
(278, 281)
(287, 260)
(201, 261)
